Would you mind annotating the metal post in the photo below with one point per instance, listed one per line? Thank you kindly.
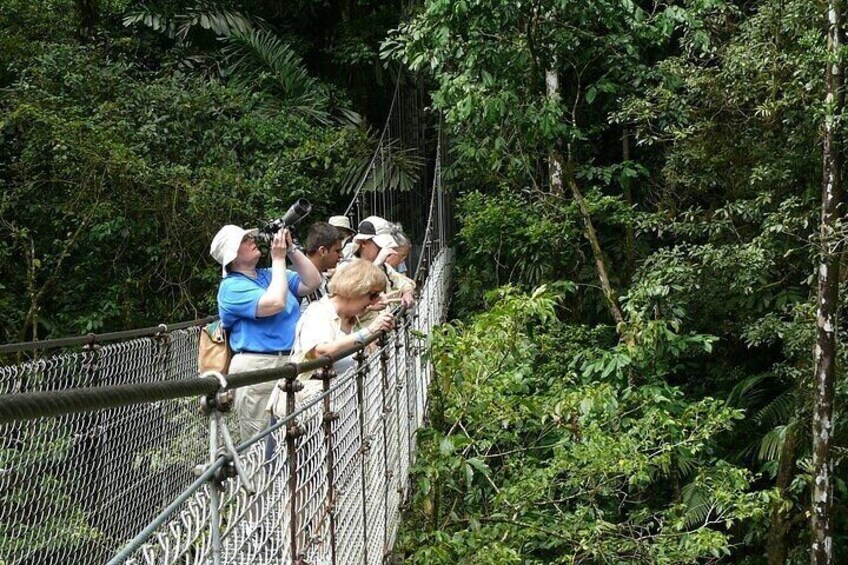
(293, 431)
(410, 389)
(163, 339)
(361, 370)
(387, 473)
(99, 441)
(399, 390)
(419, 372)
(326, 375)
(214, 514)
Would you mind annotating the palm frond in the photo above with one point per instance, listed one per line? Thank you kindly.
(147, 17)
(261, 58)
(780, 409)
(698, 501)
(749, 391)
(771, 444)
(207, 16)
(684, 462)
(386, 167)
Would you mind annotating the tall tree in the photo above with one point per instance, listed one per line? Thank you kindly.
(828, 295)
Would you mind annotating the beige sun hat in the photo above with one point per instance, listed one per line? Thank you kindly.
(225, 244)
(342, 223)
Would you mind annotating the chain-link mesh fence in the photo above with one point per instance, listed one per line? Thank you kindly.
(329, 479)
(73, 488)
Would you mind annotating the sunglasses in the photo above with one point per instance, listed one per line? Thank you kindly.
(372, 296)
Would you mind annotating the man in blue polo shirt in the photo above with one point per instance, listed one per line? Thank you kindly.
(259, 308)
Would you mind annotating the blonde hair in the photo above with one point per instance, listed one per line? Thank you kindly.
(357, 278)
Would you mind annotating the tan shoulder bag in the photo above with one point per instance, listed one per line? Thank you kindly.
(214, 353)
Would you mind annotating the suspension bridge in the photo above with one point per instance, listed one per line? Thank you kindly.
(113, 448)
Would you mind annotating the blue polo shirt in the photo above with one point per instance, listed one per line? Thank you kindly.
(238, 299)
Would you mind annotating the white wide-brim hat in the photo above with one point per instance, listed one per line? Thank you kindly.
(225, 244)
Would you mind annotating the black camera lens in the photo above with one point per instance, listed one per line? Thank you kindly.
(297, 212)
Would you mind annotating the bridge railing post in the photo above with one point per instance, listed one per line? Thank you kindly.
(293, 431)
(384, 415)
(364, 447)
(326, 375)
(401, 406)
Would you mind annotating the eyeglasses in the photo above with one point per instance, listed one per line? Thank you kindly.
(248, 237)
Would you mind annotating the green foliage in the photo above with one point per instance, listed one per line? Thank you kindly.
(111, 177)
(693, 131)
(510, 238)
(261, 59)
(532, 462)
(489, 59)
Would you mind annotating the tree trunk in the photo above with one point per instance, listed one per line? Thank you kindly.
(828, 297)
(592, 236)
(555, 155)
(779, 522)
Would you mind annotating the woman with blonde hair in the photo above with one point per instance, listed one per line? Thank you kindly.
(331, 324)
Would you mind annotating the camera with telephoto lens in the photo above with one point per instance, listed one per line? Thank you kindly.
(296, 213)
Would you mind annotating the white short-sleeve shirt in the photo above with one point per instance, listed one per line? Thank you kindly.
(319, 324)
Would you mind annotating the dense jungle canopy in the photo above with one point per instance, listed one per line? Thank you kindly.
(630, 375)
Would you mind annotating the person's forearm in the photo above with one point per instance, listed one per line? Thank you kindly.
(309, 275)
(341, 344)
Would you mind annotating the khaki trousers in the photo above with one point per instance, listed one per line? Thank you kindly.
(251, 401)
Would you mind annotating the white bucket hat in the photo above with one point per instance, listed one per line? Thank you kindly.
(225, 245)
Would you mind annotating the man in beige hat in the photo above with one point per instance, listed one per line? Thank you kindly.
(342, 223)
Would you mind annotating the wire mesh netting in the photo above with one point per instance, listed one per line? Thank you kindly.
(73, 488)
(76, 488)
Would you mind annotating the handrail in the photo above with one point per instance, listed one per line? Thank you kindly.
(92, 338)
(32, 405)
